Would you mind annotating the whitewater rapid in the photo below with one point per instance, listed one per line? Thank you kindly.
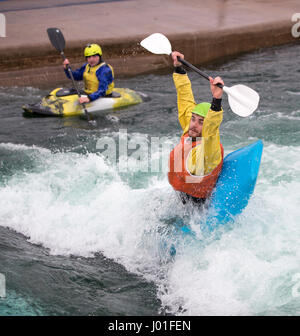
(79, 204)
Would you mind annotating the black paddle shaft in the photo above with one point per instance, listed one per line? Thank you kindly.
(74, 85)
(71, 75)
(201, 73)
(57, 39)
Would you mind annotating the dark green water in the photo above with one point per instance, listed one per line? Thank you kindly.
(79, 237)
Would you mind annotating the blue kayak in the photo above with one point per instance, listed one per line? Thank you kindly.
(235, 185)
(232, 192)
(233, 189)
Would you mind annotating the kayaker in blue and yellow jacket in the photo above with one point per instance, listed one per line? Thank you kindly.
(196, 162)
(98, 76)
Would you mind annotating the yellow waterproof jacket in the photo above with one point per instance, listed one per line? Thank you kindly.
(209, 151)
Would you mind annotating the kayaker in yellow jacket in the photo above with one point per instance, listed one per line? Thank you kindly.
(196, 162)
(98, 76)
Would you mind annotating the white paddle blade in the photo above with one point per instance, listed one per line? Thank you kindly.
(157, 44)
(243, 100)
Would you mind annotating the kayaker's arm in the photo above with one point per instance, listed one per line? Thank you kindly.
(105, 77)
(185, 98)
(211, 132)
(77, 74)
(214, 117)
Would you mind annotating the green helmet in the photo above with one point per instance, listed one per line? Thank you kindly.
(202, 109)
(92, 49)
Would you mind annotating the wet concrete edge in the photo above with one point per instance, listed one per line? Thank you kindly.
(41, 65)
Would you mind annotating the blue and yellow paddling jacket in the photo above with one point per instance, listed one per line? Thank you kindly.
(98, 80)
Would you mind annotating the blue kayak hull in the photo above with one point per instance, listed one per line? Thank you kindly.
(235, 185)
(230, 196)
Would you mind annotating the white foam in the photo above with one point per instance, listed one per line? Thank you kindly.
(249, 270)
(79, 205)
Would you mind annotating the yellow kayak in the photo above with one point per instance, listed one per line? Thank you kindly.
(64, 102)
